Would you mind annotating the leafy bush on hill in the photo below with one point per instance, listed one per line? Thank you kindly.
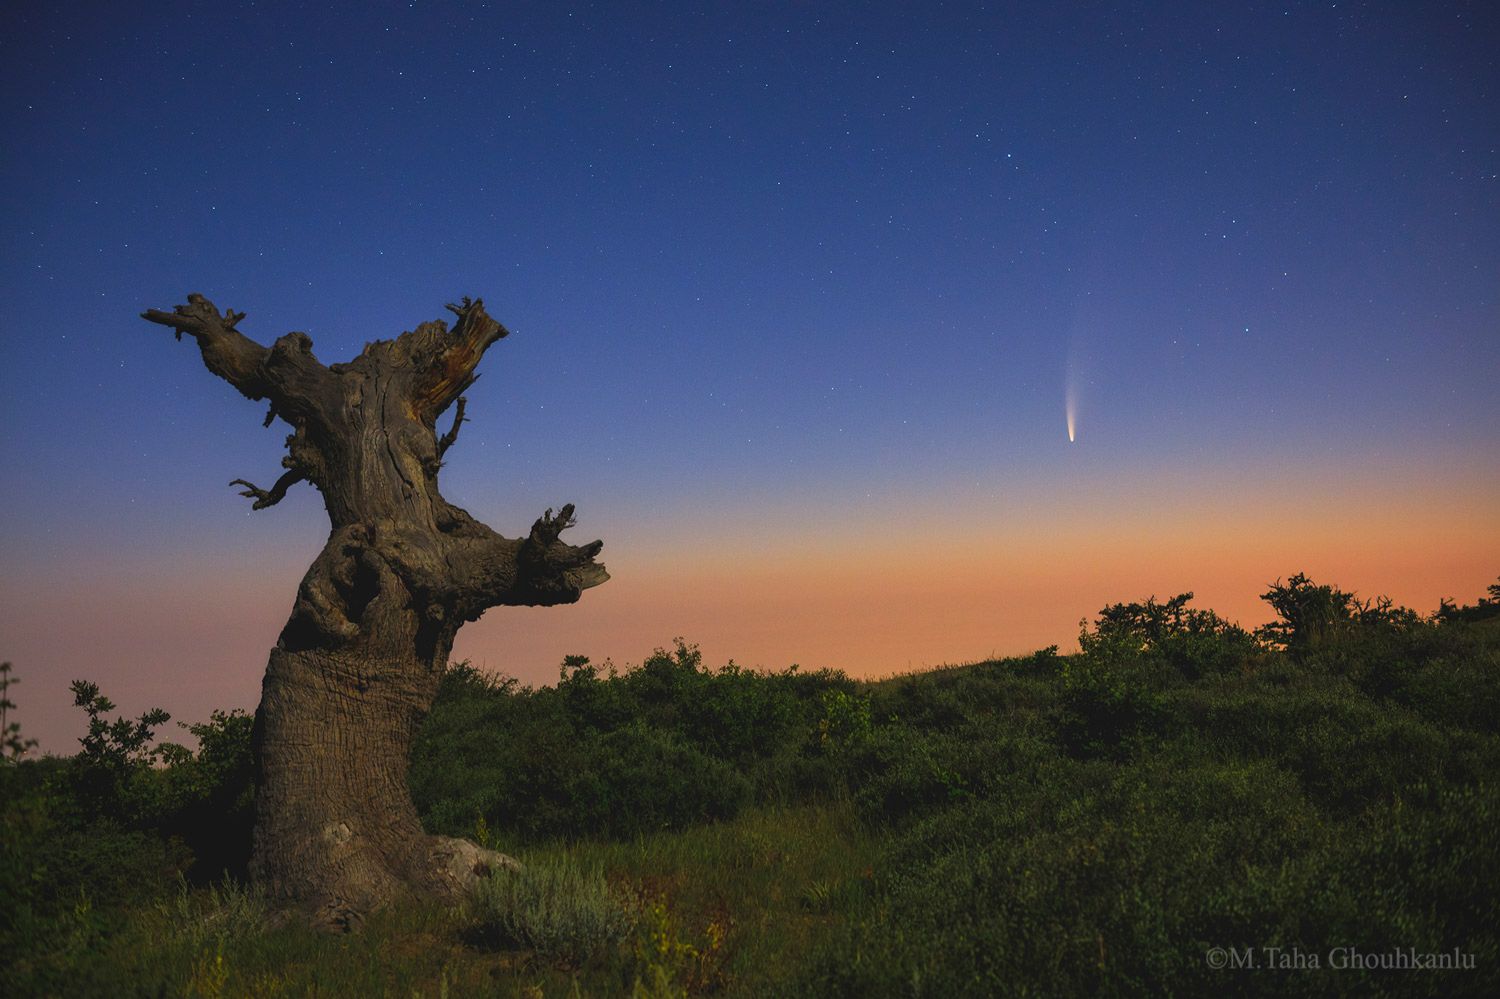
(84, 838)
(1176, 787)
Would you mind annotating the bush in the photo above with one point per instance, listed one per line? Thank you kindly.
(846, 721)
(1488, 608)
(1192, 641)
(112, 776)
(212, 797)
(12, 746)
(640, 779)
(67, 886)
(1111, 697)
(1209, 793)
(560, 909)
(1309, 615)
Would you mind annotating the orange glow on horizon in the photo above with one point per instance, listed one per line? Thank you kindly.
(960, 577)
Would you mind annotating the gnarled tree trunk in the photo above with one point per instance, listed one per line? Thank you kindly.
(357, 665)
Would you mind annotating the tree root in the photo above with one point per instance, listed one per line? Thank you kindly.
(460, 865)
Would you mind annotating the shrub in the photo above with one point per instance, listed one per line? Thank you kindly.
(203, 800)
(1487, 609)
(640, 779)
(561, 909)
(12, 746)
(1309, 615)
(1087, 824)
(112, 776)
(846, 722)
(207, 799)
(67, 886)
(1110, 696)
(1192, 641)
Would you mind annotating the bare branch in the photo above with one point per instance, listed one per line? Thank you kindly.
(299, 387)
(552, 571)
(447, 440)
(227, 352)
(547, 527)
(270, 497)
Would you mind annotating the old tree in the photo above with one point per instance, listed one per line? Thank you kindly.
(358, 663)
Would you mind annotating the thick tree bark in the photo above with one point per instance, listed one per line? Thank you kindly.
(358, 663)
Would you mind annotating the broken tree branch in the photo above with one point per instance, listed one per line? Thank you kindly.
(547, 527)
(537, 570)
(447, 440)
(551, 570)
(270, 497)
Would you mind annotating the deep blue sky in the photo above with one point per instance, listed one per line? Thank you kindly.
(782, 276)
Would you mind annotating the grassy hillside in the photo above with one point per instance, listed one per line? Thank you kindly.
(1313, 796)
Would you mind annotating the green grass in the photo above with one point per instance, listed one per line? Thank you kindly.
(714, 908)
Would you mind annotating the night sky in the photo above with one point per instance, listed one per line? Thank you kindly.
(802, 295)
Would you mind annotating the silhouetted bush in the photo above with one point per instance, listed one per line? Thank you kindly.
(1310, 615)
(1488, 608)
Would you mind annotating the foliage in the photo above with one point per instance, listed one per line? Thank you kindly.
(67, 886)
(1488, 608)
(112, 775)
(1111, 697)
(122, 743)
(1190, 640)
(227, 910)
(846, 722)
(1104, 829)
(12, 746)
(669, 965)
(1309, 615)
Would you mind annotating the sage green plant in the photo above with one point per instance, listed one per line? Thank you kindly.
(562, 909)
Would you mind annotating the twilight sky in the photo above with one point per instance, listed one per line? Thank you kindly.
(800, 293)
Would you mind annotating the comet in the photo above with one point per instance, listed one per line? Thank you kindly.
(1076, 372)
(1070, 404)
